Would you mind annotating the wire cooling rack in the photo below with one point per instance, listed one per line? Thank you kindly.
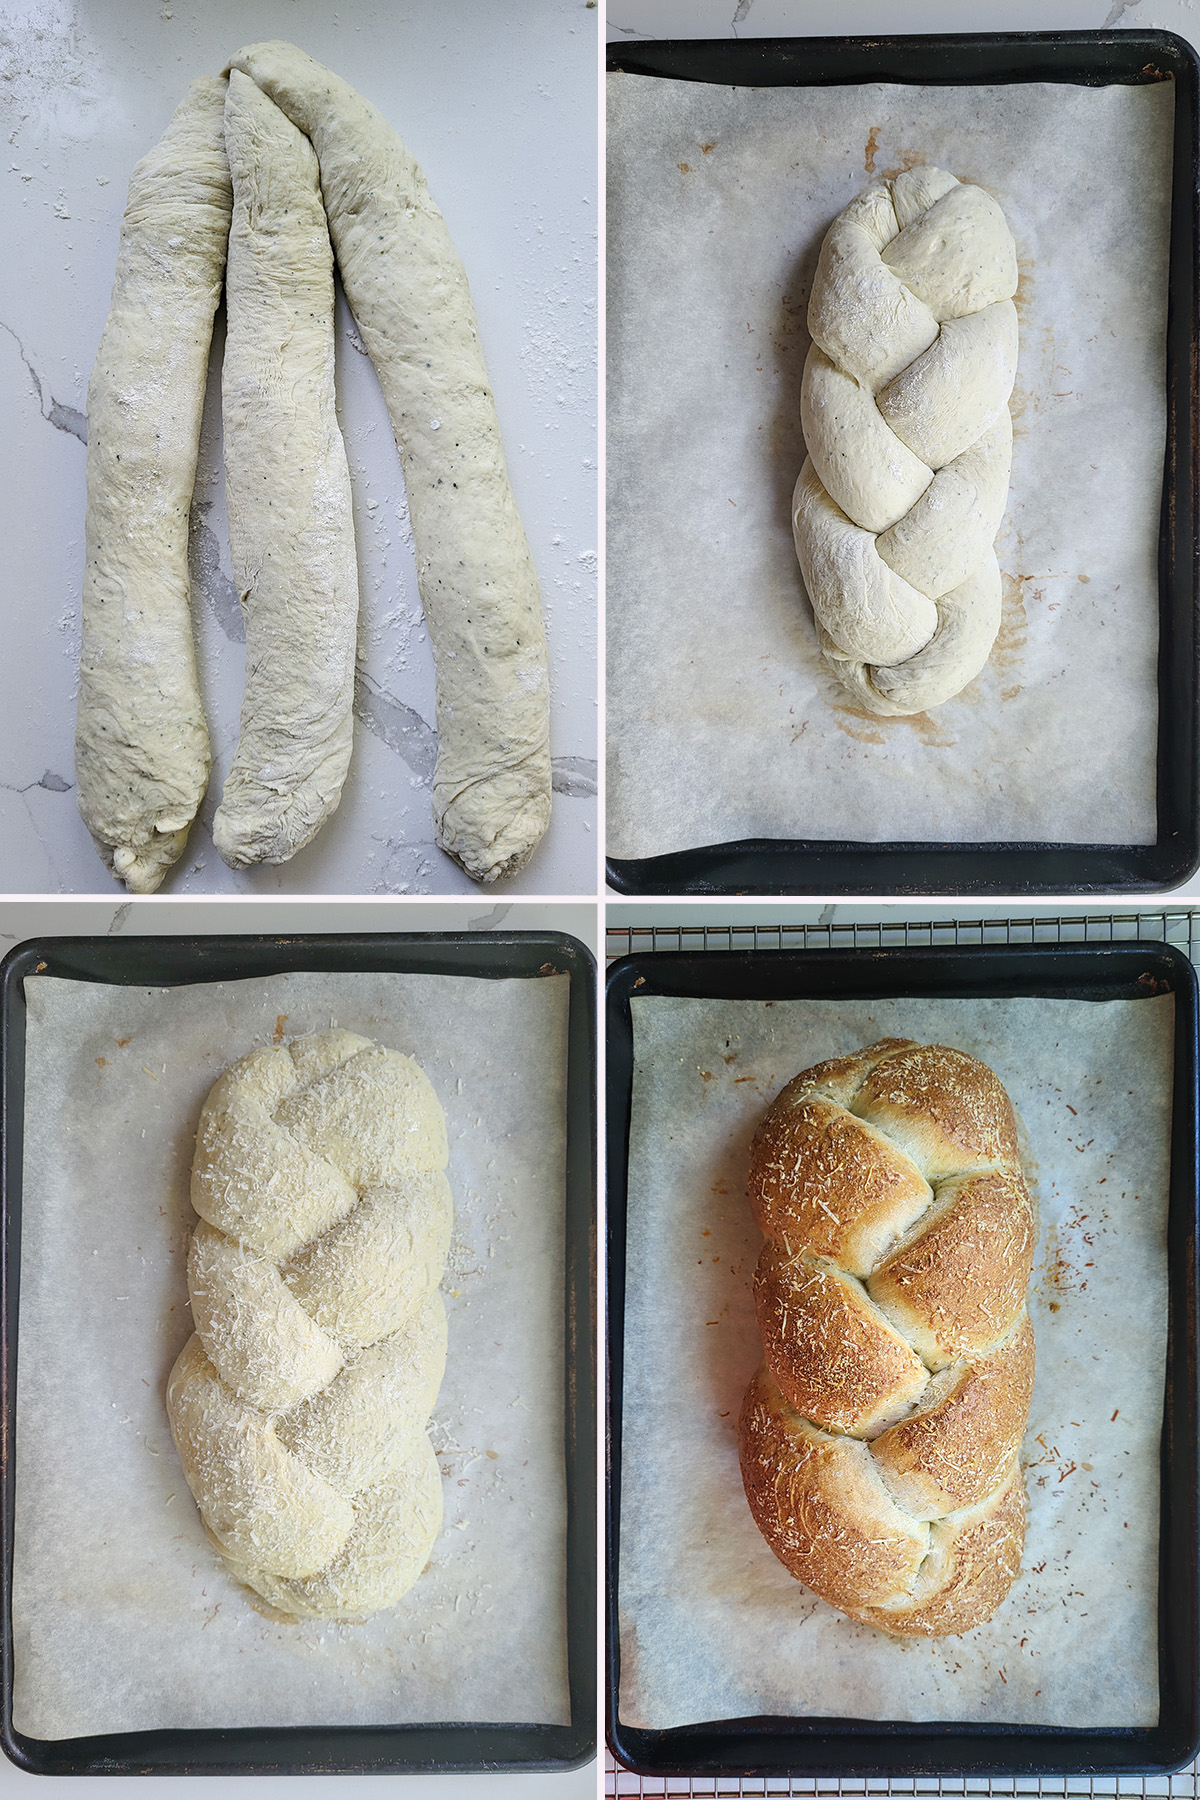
(1180, 927)
(619, 1781)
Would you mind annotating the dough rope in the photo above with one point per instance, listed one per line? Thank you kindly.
(287, 487)
(408, 292)
(880, 1437)
(904, 405)
(299, 1405)
(141, 743)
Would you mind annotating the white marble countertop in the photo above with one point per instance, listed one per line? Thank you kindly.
(498, 103)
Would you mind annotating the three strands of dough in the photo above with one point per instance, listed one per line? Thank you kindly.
(412, 306)
(291, 528)
(141, 744)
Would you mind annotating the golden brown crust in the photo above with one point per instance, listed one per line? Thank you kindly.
(832, 1353)
(950, 1108)
(976, 1558)
(841, 1077)
(959, 1286)
(822, 1178)
(820, 1505)
(879, 1441)
(955, 1449)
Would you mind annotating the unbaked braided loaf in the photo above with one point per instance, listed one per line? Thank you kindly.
(880, 1437)
(905, 412)
(299, 1405)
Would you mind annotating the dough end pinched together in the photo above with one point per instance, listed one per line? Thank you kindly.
(904, 405)
(299, 1406)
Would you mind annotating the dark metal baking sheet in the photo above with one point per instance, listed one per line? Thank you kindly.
(817, 866)
(774, 1745)
(385, 1749)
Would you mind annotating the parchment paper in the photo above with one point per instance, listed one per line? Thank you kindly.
(722, 721)
(123, 1615)
(712, 1625)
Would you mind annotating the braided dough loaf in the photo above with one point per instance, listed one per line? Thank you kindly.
(880, 1437)
(299, 1405)
(904, 405)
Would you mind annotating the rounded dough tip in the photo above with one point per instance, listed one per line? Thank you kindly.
(491, 849)
(229, 844)
(242, 838)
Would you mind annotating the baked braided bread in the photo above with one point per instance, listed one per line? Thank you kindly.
(299, 1406)
(904, 406)
(880, 1437)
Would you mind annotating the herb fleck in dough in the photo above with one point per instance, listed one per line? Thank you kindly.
(291, 527)
(409, 295)
(141, 743)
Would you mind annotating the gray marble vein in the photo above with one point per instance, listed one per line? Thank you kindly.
(399, 727)
(53, 784)
(574, 776)
(56, 883)
(488, 921)
(204, 567)
(64, 418)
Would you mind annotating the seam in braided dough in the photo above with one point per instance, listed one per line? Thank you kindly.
(904, 405)
(287, 484)
(408, 292)
(299, 1406)
(141, 743)
(880, 1438)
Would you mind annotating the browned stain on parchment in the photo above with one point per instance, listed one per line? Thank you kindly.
(863, 727)
(1018, 401)
(873, 728)
(909, 159)
(1008, 651)
(872, 147)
